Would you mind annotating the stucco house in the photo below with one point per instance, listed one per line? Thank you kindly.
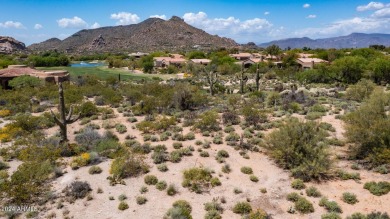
(308, 63)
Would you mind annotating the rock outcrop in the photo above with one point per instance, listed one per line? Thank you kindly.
(10, 45)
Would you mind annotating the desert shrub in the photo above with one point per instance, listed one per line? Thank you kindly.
(293, 196)
(123, 206)
(171, 190)
(159, 154)
(143, 189)
(347, 175)
(78, 189)
(237, 190)
(232, 137)
(382, 169)
(215, 182)
(360, 90)
(313, 192)
(298, 184)
(141, 200)
(150, 180)
(162, 167)
(204, 154)
(314, 115)
(122, 197)
(367, 128)
(377, 215)
(175, 156)
(95, 170)
(88, 109)
(304, 206)
(318, 108)
(298, 146)
(257, 214)
(246, 170)
(213, 205)
(196, 179)
(190, 136)
(331, 215)
(128, 165)
(3, 165)
(230, 118)
(28, 183)
(161, 185)
(331, 206)
(120, 128)
(349, 198)
(226, 168)
(217, 139)
(273, 99)
(177, 145)
(229, 129)
(145, 148)
(253, 116)
(253, 178)
(212, 214)
(222, 153)
(242, 208)
(208, 121)
(160, 124)
(378, 188)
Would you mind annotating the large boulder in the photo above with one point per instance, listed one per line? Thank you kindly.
(10, 45)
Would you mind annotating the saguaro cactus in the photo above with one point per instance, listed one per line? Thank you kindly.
(242, 78)
(64, 120)
(212, 79)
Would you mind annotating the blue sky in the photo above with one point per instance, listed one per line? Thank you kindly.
(32, 21)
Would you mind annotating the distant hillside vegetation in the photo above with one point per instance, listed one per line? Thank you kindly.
(150, 35)
(355, 40)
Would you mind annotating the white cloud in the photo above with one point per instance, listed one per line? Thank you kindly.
(247, 30)
(267, 13)
(311, 16)
(306, 5)
(382, 13)
(125, 18)
(12, 24)
(371, 6)
(74, 22)
(38, 26)
(95, 25)
(159, 16)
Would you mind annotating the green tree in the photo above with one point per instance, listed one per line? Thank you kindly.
(380, 70)
(368, 128)
(349, 69)
(25, 81)
(273, 50)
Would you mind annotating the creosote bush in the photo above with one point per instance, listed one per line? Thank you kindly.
(298, 184)
(242, 208)
(123, 206)
(299, 147)
(313, 192)
(128, 165)
(150, 180)
(378, 188)
(78, 189)
(141, 200)
(349, 198)
(304, 206)
(95, 170)
(181, 209)
(331, 206)
(246, 170)
(197, 179)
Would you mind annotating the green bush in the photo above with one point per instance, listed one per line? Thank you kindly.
(196, 179)
(208, 121)
(298, 184)
(143, 189)
(242, 208)
(212, 214)
(161, 185)
(141, 200)
(171, 190)
(222, 153)
(88, 109)
(360, 90)
(215, 182)
(95, 170)
(120, 128)
(78, 189)
(331, 206)
(357, 216)
(378, 215)
(313, 192)
(304, 206)
(298, 146)
(331, 215)
(177, 145)
(123, 206)
(226, 168)
(232, 137)
(367, 127)
(293, 196)
(122, 197)
(129, 165)
(150, 180)
(349, 198)
(347, 176)
(257, 214)
(253, 178)
(204, 154)
(246, 170)
(378, 188)
(162, 167)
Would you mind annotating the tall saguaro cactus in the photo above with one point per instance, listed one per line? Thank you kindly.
(242, 78)
(212, 78)
(64, 120)
(257, 78)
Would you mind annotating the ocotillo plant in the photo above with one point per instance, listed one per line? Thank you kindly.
(212, 79)
(64, 120)
(242, 78)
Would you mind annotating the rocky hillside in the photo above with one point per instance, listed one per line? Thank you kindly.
(354, 40)
(9, 45)
(150, 35)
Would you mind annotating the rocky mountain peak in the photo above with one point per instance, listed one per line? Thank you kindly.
(9, 45)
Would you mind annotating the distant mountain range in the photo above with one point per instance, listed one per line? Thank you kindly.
(354, 40)
(150, 35)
